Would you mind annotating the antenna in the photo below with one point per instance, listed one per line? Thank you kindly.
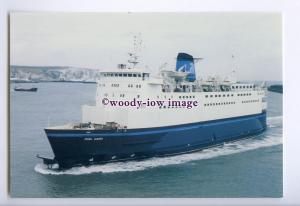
(162, 66)
(137, 45)
(235, 68)
(234, 63)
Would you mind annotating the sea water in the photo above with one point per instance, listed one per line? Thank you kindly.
(246, 168)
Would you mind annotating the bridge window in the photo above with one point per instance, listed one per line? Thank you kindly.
(145, 76)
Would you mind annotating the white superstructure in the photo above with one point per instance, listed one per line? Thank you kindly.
(216, 99)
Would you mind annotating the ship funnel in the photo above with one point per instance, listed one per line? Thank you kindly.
(185, 63)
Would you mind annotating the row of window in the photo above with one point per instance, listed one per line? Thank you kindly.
(227, 95)
(247, 94)
(121, 75)
(113, 95)
(117, 85)
(243, 87)
(125, 75)
(218, 103)
(219, 95)
(250, 101)
(186, 97)
(180, 97)
(137, 86)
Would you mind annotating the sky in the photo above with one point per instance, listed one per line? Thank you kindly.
(248, 43)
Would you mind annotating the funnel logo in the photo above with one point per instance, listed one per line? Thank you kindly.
(185, 63)
(185, 68)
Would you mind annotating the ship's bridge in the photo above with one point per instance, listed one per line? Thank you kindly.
(124, 73)
(126, 82)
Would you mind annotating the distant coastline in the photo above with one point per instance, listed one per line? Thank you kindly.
(40, 74)
(62, 81)
(36, 74)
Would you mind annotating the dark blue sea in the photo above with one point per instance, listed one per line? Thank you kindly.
(247, 168)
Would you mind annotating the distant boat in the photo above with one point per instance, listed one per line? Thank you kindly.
(33, 89)
(275, 88)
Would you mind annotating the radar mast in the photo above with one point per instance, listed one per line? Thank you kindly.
(137, 47)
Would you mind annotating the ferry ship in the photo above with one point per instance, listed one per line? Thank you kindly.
(226, 110)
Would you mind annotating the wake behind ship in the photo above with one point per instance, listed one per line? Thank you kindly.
(195, 114)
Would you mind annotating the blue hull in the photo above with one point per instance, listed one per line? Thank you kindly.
(84, 147)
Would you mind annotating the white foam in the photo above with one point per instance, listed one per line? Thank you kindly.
(272, 137)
